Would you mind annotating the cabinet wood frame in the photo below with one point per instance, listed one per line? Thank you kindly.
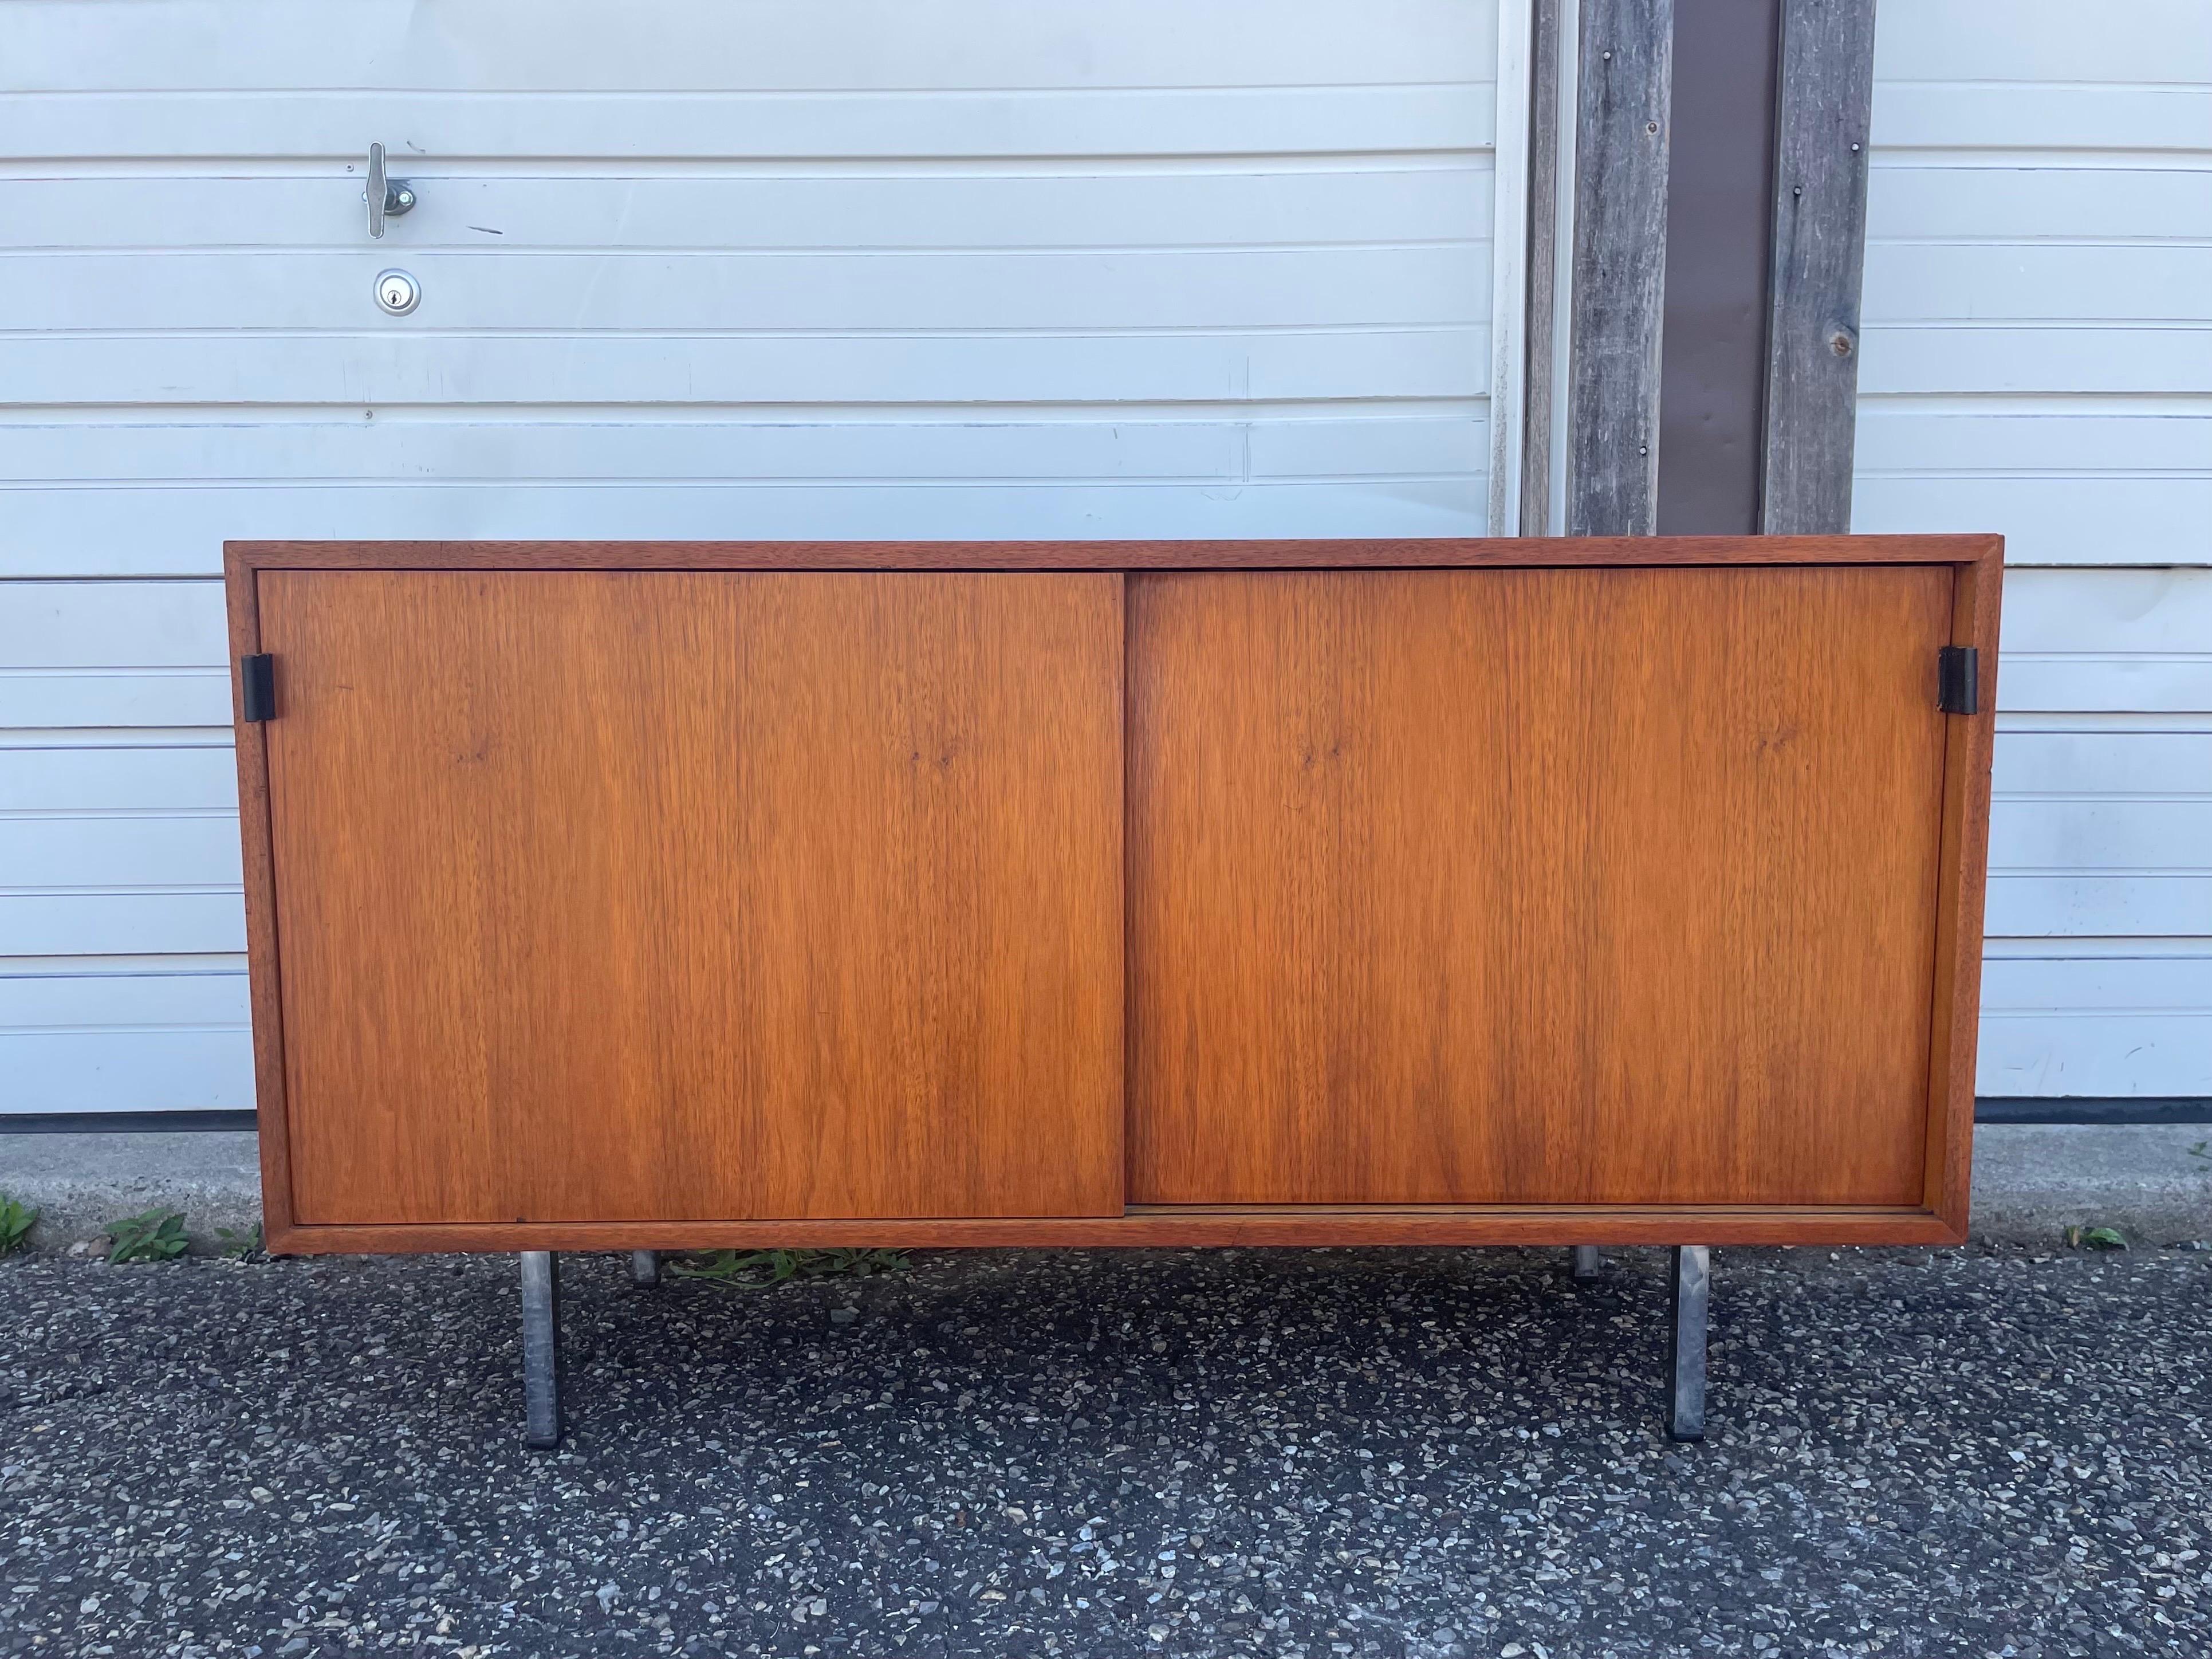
(1977, 564)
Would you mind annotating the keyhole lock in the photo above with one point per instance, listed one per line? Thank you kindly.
(398, 292)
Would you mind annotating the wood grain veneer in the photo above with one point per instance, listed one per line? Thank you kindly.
(1518, 887)
(606, 896)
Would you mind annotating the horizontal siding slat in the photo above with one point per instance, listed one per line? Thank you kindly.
(147, 654)
(1040, 123)
(2102, 1056)
(79, 625)
(2006, 439)
(638, 444)
(66, 854)
(114, 778)
(1225, 205)
(2098, 985)
(2111, 611)
(1970, 357)
(2033, 282)
(674, 47)
(114, 697)
(2076, 198)
(1082, 290)
(654, 368)
(2163, 836)
(87, 995)
(2046, 41)
(2099, 906)
(2058, 197)
(122, 924)
(2086, 684)
(1954, 115)
(2102, 765)
(127, 1071)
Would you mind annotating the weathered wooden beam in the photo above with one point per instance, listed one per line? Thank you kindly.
(1510, 275)
(1823, 108)
(1538, 403)
(1623, 79)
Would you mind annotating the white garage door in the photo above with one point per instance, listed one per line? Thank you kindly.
(689, 268)
(2039, 360)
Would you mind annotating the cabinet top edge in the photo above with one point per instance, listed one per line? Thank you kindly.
(1438, 552)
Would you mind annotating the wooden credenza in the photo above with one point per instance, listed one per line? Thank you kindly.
(611, 896)
(656, 897)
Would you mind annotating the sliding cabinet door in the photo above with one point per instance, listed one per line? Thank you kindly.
(1533, 886)
(622, 896)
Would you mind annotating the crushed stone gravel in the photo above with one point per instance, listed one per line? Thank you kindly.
(1423, 1454)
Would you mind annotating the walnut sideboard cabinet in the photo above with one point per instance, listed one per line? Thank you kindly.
(645, 896)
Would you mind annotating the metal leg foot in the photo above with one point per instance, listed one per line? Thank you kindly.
(1587, 1261)
(541, 1349)
(1688, 1297)
(645, 1268)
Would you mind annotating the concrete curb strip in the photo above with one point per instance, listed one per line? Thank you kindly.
(79, 1183)
(2030, 1182)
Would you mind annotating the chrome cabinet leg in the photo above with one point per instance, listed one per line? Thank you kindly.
(1586, 1262)
(541, 1349)
(1688, 1297)
(645, 1268)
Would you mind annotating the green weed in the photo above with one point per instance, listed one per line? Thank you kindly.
(2096, 1238)
(15, 1220)
(149, 1235)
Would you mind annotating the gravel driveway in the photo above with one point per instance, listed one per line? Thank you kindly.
(1288, 1453)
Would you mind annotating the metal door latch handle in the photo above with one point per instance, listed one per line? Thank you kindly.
(387, 198)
